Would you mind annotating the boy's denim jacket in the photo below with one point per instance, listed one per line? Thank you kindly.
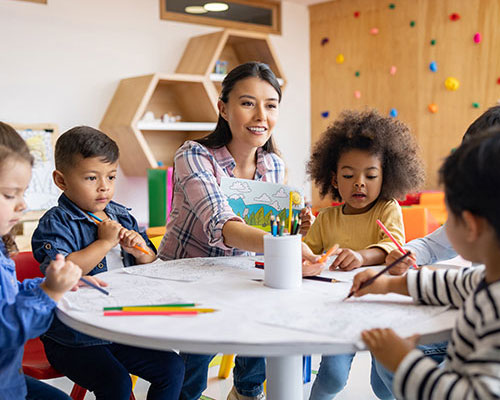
(65, 229)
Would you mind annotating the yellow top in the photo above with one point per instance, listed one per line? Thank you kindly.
(358, 231)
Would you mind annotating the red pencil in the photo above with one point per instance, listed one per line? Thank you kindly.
(400, 248)
(142, 313)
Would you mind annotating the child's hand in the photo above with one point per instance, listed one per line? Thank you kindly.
(93, 279)
(347, 260)
(109, 231)
(387, 347)
(61, 276)
(378, 286)
(307, 219)
(310, 262)
(402, 266)
(131, 238)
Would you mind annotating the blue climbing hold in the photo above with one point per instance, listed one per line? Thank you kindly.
(325, 114)
(393, 113)
(433, 66)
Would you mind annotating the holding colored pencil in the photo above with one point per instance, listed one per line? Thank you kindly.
(386, 231)
(98, 220)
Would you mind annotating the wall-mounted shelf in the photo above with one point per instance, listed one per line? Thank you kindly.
(233, 46)
(144, 143)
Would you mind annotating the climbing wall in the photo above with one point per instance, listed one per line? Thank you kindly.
(434, 64)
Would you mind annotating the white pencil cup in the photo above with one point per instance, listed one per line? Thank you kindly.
(283, 261)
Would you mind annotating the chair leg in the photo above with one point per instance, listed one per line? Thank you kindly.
(226, 365)
(78, 393)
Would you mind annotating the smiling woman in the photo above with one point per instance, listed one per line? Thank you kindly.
(255, 15)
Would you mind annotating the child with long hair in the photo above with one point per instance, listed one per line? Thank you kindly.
(26, 309)
(366, 161)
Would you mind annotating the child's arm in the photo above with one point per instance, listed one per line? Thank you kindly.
(131, 238)
(107, 237)
(418, 376)
(32, 310)
(348, 259)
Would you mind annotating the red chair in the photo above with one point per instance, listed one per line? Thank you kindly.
(35, 363)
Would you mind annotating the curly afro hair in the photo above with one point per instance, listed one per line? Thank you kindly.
(385, 137)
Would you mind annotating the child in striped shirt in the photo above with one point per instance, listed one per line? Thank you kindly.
(472, 366)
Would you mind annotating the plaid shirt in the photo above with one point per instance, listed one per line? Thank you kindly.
(199, 208)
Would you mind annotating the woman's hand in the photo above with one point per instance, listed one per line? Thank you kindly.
(387, 347)
(307, 219)
(310, 262)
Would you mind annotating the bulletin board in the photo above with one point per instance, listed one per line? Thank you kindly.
(378, 54)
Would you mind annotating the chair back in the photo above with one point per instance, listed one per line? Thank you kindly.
(26, 266)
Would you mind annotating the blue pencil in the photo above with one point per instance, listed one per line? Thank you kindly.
(94, 286)
(95, 216)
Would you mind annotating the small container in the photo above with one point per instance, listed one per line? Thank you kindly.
(283, 261)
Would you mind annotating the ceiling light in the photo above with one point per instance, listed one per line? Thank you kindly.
(216, 7)
(195, 10)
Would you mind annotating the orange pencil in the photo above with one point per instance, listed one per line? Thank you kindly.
(98, 220)
(329, 253)
(400, 248)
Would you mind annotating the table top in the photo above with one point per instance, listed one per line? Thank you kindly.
(252, 319)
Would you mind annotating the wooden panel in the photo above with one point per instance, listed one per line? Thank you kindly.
(414, 86)
(201, 53)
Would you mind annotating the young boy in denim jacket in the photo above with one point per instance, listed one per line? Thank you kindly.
(86, 165)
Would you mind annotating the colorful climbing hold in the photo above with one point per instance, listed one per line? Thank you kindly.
(451, 83)
(392, 6)
(433, 42)
(393, 70)
(454, 17)
(325, 114)
(357, 94)
(433, 66)
(339, 59)
(477, 38)
(475, 104)
(433, 108)
(498, 81)
(356, 14)
(357, 73)
(393, 113)
(374, 31)
(412, 23)
(324, 41)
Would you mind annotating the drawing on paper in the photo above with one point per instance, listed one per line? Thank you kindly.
(256, 201)
(42, 193)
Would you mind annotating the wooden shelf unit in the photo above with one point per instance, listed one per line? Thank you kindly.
(235, 47)
(145, 143)
(192, 92)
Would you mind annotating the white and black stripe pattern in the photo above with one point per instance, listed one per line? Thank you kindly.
(472, 366)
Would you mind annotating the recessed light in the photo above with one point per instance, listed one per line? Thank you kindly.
(195, 10)
(216, 7)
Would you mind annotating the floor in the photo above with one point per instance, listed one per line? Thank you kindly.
(358, 386)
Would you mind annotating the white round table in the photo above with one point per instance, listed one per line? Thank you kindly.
(251, 320)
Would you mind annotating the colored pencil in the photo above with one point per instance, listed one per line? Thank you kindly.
(138, 313)
(98, 220)
(176, 305)
(290, 213)
(325, 256)
(200, 310)
(260, 265)
(87, 282)
(386, 231)
(370, 281)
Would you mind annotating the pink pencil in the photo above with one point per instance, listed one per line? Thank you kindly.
(400, 248)
(136, 313)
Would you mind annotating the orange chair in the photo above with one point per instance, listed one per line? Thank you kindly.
(35, 363)
(434, 202)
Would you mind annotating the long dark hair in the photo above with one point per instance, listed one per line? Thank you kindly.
(222, 135)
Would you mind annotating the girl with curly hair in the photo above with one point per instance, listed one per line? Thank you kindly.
(366, 161)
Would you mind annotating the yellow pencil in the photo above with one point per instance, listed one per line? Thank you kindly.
(200, 310)
(290, 214)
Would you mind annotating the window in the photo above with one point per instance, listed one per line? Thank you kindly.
(255, 15)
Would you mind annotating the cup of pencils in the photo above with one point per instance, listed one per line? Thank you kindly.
(283, 261)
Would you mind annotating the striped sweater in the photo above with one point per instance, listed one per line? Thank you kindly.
(472, 366)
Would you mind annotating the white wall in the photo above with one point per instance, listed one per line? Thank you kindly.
(61, 63)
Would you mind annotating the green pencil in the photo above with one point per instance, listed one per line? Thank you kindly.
(153, 305)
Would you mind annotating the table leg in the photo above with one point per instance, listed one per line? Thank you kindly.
(284, 378)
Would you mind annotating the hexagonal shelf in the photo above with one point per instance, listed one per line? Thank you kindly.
(233, 46)
(143, 143)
